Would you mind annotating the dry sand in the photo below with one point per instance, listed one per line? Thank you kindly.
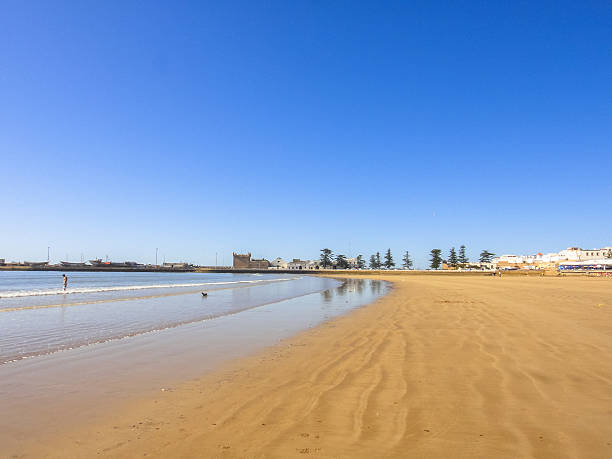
(441, 367)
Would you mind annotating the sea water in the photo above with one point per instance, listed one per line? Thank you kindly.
(38, 317)
(113, 338)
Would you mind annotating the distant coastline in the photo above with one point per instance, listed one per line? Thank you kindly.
(95, 268)
(227, 269)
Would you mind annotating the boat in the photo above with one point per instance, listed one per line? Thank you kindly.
(70, 264)
(133, 264)
(113, 264)
(99, 263)
(36, 263)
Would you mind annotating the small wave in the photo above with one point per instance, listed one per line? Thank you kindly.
(26, 293)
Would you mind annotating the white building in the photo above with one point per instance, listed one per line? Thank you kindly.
(351, 263)
(577, 254)
(278, 263)
(471, 265)
(510, 259)
(569, 254)
(298, 264)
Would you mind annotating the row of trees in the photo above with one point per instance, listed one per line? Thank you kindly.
(454, 259)
(341, 262)
(375, 262)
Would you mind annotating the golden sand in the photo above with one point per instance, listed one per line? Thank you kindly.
(443, 366)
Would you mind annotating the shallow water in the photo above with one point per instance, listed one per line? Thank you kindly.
(26, 288)
(35, 319)
(46, 394)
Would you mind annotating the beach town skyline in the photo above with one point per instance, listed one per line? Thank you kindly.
(453, 258)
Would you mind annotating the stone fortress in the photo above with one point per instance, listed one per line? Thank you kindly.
(244, 261)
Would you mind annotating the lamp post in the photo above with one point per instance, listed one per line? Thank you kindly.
(48, 250)
(156, 249)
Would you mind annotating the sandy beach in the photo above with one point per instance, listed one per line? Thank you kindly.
(443, 366)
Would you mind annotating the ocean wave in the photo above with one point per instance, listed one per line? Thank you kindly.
(119, 288)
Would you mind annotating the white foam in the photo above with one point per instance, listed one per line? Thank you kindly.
(26, 293)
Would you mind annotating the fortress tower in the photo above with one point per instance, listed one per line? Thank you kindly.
(243, 261)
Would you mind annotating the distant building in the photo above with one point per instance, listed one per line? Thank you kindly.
(244, 261)
(278, 263)
(352, 263)
(315, 264)
(469, 266)
(1, 261)
(298, 264)
(577, 254)
(552, 260)
(478, 265)
(180, 265)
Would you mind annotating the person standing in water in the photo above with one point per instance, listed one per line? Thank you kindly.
(65, 281)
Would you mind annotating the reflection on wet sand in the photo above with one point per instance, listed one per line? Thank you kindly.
(51, 392)
(30, 330)
(354, 286)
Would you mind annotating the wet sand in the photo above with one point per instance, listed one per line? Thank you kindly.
(46, 395)
(443, 366)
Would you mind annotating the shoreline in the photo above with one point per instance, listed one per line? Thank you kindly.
(43, 396)
(311, 272)
(439, 367)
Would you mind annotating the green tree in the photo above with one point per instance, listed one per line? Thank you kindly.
(407, 261)
(373, 262)
(452, 258)
(341, 261)
(326, 258)
(436, 258)
(378, 262)
(486, 256)
(609, 254)
(462, 258)
(360, 262)
(389, 263)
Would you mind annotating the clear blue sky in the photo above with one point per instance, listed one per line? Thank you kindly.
(285, 127)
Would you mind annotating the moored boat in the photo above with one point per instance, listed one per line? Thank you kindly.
(99, 263)
(113, 264)
(35, 263)
(70, 264)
